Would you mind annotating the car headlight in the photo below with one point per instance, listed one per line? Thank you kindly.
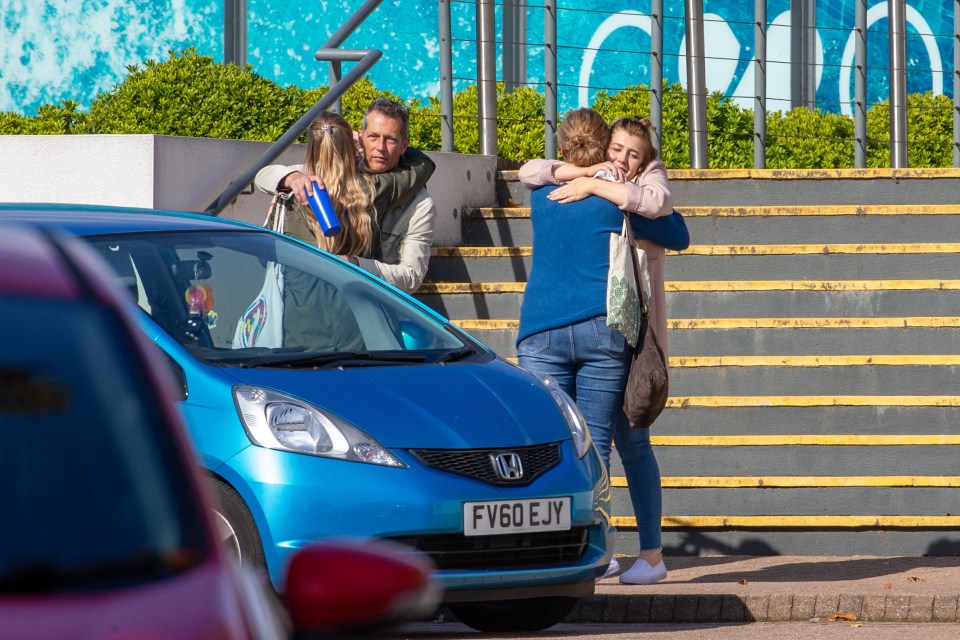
(277, 421)
(579, 431)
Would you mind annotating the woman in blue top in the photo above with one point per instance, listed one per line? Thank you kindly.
(563, 330)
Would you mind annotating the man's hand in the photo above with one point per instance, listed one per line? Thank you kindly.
(300, 184)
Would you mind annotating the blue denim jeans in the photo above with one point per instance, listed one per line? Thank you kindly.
(590, 361)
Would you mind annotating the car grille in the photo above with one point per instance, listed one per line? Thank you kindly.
(512, 551)
(479, 463)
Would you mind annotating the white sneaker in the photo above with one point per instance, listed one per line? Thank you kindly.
(642, 573)
(612, 569)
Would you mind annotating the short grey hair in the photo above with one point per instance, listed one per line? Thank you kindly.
(390, 109)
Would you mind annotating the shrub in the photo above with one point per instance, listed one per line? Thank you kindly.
(190, 95)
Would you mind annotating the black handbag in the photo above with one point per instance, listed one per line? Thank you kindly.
(648, 383)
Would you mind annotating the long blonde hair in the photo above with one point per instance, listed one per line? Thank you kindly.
(331, 154)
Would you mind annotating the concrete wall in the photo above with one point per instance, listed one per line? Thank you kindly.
(169, 172)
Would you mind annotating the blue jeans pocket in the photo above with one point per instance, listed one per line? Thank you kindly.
(534, 344)
(610, 341)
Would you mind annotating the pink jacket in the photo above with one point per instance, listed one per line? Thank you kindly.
(649, 195)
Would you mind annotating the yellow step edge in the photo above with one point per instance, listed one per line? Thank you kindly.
(784, 440)
(814, 323)
(747, 402)
(708, 286)
(765, 211)
(795, 174)
(812, 174)
(680, 362)
(947, 521)
(793, 482)
(735, 250)
(495, 324)
(694, 362)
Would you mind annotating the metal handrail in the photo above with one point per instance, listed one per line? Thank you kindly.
(329, 52)
(365, 58)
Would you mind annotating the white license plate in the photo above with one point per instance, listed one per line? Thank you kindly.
(516, 516)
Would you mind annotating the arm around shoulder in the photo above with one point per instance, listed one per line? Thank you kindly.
(268, 179)
(539, 172)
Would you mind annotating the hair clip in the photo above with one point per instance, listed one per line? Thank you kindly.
(326, 127)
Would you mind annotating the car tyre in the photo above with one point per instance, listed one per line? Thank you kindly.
(236, 527)
(531, 614)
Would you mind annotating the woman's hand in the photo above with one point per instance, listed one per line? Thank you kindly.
(607, 167)
(574, 190)
(300, 184)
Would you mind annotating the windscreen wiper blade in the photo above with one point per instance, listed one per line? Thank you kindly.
(338, 357)
(456, 354)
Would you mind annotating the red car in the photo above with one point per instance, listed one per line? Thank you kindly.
(106, 531)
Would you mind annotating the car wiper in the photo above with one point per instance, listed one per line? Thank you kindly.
(339, 357)
(456, 354)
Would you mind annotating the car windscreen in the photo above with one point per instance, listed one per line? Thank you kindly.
(246, 298)
(94, 489)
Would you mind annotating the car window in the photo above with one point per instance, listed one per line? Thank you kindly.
(232, 296)
(94, 492)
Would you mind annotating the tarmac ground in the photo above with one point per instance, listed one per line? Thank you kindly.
(782, 589)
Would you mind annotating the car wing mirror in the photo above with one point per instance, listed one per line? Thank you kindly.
(345, 586)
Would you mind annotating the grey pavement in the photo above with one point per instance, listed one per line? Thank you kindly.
(781, 589)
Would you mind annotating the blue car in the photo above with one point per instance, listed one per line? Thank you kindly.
(324, 402)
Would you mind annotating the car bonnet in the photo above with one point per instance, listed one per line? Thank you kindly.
(462, 405)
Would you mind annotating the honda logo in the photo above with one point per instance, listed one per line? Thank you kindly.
(508, 466)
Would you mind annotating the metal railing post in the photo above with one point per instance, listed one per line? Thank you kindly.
(235, 32)
(514, 46)
(898, 83)
(487, 77)
(550, 78)
(760, 84)
(956, 83)
(338, 38)
(803, 52)
(860, 87)
(696, 84)
(446, 77)
(656, 73)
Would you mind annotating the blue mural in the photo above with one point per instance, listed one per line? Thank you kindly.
(52, 50)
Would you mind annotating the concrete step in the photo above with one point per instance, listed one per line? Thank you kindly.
(847, 223)
(751, 341)
(740, 187)
(732, 262)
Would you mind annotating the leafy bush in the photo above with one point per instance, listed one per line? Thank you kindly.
(191, 95)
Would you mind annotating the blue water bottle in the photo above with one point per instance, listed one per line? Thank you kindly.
(323, 209)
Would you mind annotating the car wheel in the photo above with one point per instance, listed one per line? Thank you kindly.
(532, 614)
(236, 528)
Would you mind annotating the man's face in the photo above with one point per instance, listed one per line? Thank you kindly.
(383, 142)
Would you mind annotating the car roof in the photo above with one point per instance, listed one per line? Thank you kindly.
(89, 220)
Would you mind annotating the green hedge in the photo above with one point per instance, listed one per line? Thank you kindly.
(191, 95)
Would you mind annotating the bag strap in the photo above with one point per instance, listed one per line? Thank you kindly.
(277, 212)
(637, 276)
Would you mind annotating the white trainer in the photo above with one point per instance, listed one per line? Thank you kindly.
(642, 573)
(612, 569)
